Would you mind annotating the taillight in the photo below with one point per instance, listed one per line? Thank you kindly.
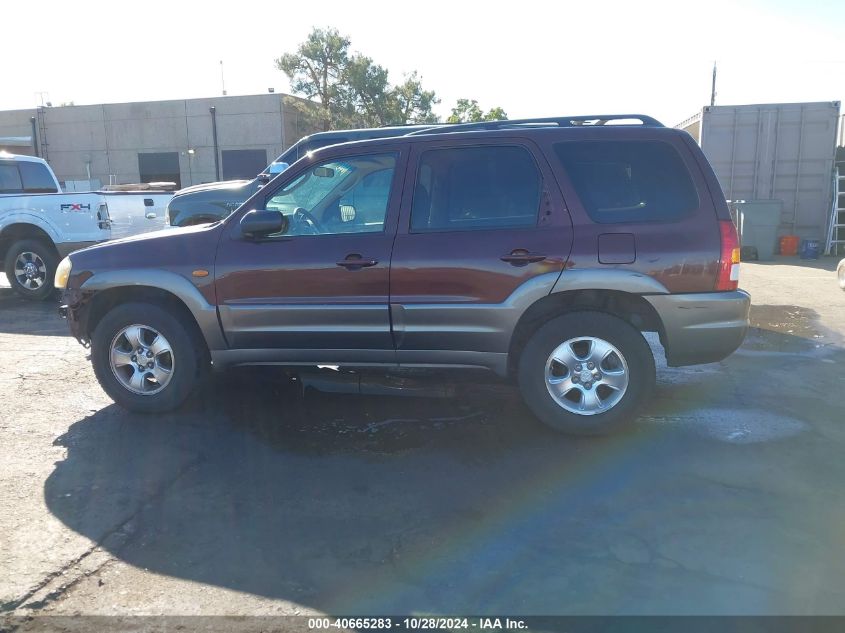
(728, 277)
(103, 219)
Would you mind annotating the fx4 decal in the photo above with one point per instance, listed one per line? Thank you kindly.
(76, 207)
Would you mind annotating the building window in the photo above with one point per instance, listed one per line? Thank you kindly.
(243, 164)
(160, 167)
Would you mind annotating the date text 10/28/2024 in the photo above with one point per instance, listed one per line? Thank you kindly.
(417, 623)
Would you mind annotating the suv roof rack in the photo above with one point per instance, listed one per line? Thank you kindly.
(564, 121)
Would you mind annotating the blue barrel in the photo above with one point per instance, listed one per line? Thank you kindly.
(810, 249)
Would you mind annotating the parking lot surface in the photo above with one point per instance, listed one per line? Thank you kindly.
(724, 497)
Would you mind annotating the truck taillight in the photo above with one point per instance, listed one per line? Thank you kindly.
(103, 219)
(728, 277)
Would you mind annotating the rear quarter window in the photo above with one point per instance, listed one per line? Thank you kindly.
(629, 181)
(36, 178)
(10, 178)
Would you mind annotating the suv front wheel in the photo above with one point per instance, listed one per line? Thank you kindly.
(144, 358)
(586, 372)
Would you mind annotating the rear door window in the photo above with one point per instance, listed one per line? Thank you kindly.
(10, 178)
(475, 188)
(629, 181)
(36, 178)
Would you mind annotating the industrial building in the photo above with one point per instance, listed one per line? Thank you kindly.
(781, 152)
(186, 141)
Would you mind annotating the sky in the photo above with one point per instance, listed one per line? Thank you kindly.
(530, 58)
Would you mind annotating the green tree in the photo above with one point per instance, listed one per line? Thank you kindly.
(413, 103)
(317, 70)
(369, 95)
(467, 111)
(351, 90)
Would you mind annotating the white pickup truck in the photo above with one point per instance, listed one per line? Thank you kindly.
(39, 224)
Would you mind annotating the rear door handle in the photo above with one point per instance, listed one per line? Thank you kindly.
(354, 261)
(521, 257)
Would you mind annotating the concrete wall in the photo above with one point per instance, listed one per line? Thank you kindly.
(16, 124)
(107, 138)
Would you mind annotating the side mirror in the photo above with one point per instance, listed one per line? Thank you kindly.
(277, 168)
(259, 223)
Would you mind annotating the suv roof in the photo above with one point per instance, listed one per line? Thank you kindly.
(365, 133)
(571, 125)
(333, 137)
(581, 120)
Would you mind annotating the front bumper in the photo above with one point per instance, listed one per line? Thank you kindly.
(73, 307)
(703, 327)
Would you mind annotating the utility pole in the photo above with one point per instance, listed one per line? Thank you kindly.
(712, 88)
(222, 80)
(213, 111)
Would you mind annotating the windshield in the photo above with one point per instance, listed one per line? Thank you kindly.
(309, 189)
(302, 147)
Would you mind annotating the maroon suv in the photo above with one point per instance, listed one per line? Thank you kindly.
(537, 249)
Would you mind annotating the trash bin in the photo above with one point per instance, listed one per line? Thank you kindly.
(810, 249)
(789, 245)
(758, 222)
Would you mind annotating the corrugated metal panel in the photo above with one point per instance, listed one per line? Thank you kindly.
(776, 151)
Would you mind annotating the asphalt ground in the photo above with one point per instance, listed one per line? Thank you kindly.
(724, 497)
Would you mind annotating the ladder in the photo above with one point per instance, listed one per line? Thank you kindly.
(40, 114)
(836, 228)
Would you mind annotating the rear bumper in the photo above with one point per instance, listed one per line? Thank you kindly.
(703, 327)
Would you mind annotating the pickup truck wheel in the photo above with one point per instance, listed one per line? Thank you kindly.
(586, 373)
(30, 267)
(144, 358)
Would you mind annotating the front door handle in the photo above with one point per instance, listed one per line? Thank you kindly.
(354, 261)
(151, 215)
(521, 257)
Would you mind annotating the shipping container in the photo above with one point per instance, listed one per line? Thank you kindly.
(779, 151)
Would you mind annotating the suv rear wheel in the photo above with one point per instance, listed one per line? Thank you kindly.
(30, 267)
(586, 372)
(144, 358)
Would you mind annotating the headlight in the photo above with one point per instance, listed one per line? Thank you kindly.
(62, 273)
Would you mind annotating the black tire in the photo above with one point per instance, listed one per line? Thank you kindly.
(187, 359)
(531, 371)
(40, 251)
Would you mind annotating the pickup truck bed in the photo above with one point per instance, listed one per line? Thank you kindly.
(39, 225)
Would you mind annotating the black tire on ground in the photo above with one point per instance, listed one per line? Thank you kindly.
(38, 252)
(531, 371)
(188, 361)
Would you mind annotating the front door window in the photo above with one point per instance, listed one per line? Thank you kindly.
(348, 195)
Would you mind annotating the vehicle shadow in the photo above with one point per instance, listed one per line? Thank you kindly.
(366, 505)
(21, 316)
(347, 504)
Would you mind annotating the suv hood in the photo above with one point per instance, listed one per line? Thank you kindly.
(154, 249)
(213, 186)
